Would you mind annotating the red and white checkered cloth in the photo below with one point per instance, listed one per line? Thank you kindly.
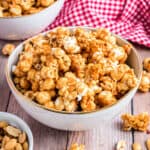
(127, 18)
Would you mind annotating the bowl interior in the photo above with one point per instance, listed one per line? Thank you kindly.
(133, 60)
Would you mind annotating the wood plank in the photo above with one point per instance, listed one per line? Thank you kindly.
(4, 89)
(142, 102)
(103, 138)
(45, 138)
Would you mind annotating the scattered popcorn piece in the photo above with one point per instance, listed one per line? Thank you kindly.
(138, 122)
(106, 98)
(146, 64)
(77, 147)
(121, 145)
(145, 82)
(7, 49)
(136, 146)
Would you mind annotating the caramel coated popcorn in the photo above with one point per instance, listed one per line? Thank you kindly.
(138, 122)
(77, 147)
(12, 138)
(145, 82)
(146, 64)
(10, 8)
(7, 49)
(75, 70)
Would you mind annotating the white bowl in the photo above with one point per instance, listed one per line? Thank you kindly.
(78, 120)
(19, 123)
(18, 28)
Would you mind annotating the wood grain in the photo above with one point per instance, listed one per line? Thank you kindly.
(45, 138)
(103, 138)
(142, 103)
(4, 89)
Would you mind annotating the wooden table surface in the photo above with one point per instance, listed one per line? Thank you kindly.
(103, 138)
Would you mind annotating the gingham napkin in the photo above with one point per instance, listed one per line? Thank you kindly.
(127, 18)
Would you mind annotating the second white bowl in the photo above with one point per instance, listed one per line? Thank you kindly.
(18, 28)
(19, 123)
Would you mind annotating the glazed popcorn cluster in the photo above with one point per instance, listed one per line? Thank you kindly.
(8, 49)
(138, 122)
(145, 81)
(12, 138)
(10, 8)
(75, 70)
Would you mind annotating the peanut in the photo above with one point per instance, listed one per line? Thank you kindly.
(25, 146)
(136, 146)
(148, 144)
(121, 145)
(22, 138)
(13, 131)
(11, 144)
(19, 146)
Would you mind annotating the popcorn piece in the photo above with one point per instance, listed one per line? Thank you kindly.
(46, 3)
(64, 61)
(138, 122)
(1, 11)
(78, 65)
(127, 48)
(70, 45)
(15, 10)
(7, 49)
(92, 71)
(118, 72)
(47, 84)
(106, 98)
(59, 104)
(49, 72)
(118, 54)
(71, 106)
(108, 84)
(87, 102)
(30, 94)
(146, 64)
(24, 84)
(145, 82)
(127, 82)
(43, 97)
(77, 147)
(49, 105)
